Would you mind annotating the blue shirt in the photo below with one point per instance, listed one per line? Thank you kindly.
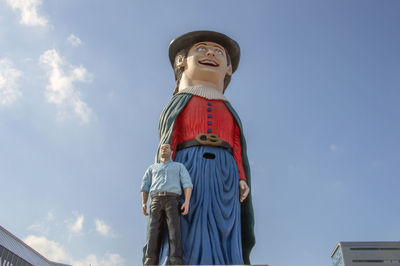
(168, 176)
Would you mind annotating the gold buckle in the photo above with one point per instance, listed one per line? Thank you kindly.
(208, 139)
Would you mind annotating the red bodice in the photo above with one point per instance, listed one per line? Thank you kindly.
(201, 115)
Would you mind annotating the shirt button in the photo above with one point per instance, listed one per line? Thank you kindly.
(209, 130)
(209, 104)
(209, 115)
(209, 109)
(209, 122)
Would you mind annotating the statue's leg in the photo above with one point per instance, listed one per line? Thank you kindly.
(154, 231)
(174, 230)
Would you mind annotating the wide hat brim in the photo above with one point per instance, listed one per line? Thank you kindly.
(191, 38)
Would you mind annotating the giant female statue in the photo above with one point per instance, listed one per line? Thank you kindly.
(207, 137)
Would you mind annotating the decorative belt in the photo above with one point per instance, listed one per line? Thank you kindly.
(164, 194)
(205, 140)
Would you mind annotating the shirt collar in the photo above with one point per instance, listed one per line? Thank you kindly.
(205, 92)
(167, 162)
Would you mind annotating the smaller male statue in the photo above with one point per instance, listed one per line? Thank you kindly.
(163, 181)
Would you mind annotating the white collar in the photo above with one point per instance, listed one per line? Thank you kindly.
(205, 92)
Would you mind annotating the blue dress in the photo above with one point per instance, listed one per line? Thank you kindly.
(211, 232)
(215, 196)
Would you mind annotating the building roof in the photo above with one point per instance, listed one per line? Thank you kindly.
(19, 248)
(367, 244)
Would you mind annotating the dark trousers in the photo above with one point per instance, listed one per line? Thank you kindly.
(164, 209)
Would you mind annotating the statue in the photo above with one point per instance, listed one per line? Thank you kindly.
(163, 181)
(207, 137)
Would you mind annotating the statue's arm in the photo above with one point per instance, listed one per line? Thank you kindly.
(187, 188)
(185, 205)
(145, 196)
(146, 183)
(237, 152)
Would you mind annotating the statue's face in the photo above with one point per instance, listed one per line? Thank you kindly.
(207, 61)
(165, 151)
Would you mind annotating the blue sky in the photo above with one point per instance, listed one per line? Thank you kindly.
(82, 85)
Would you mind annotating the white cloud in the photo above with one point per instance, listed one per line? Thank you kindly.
(39, 228)
(74, 40)
(50, 249)
(56, 252)
(110, 259)
(50, 215)
(43, 227)
(102, 228)
(60, 89)
(76, 226)
(9, 92)
(29, 13)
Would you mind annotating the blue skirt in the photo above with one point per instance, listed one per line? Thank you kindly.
(211, 232)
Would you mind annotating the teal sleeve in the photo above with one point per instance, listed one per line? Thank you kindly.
(146, 182)
(185, 177)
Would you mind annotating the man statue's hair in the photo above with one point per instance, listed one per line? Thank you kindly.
(179, 70)
(169, 144)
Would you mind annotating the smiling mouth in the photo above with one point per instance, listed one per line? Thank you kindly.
(208, 62)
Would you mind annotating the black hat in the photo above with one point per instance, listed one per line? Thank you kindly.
(191, 38)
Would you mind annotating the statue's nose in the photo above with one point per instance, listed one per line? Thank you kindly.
(210, 52)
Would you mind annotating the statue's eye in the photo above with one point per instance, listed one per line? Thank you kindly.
(218, 51)
(201, 49)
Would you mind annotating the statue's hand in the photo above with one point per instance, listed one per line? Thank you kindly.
(244, 190)
(185, 208)
(144, 209)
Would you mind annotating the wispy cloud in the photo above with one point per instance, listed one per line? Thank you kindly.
(9, 91)
(76, 226)
(60, 89)
(74, 40)
(50, 249)
(44, 226)
(54, 251)
(109, 259)
(28, 12)
(102, 228)
(50, 215)
(39, 228)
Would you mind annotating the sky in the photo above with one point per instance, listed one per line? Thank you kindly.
(83, 83)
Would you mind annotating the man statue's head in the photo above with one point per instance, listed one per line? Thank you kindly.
(204, 58)
(165, 151)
